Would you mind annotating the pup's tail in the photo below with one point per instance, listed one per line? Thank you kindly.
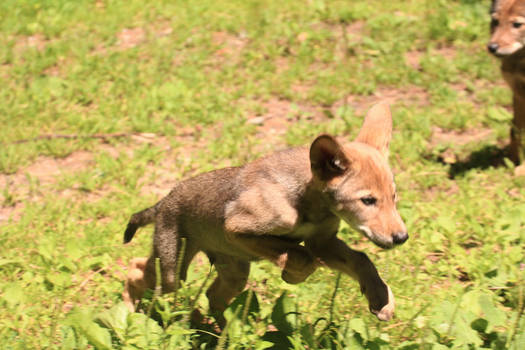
(137, 220)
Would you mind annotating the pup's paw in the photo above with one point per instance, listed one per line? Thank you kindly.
(380, 299)
(519, 170)
(135, 285)
(129, 301)
(386, 312)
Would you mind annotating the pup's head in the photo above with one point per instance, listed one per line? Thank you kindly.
(357, 180)
(507, 27)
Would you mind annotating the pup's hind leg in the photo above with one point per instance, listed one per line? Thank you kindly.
(168, 247)
(231, 280)
(137, 281)
(142, 274)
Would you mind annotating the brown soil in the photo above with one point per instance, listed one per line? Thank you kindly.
(37, 41)
(440, 136)
(412, 95)
(229, 46)
(413, 58)
(130, 37)
(32, 182)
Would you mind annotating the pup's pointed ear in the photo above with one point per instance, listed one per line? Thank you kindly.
(327, 158)
(377, 128)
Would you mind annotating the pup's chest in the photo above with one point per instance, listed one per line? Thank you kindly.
(305, 229)
(514, 74)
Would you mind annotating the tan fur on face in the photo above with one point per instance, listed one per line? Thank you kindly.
(370, 175)
(508, 38)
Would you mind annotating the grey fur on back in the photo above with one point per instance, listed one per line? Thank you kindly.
(197, 206)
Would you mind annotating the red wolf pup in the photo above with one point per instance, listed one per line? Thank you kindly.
(508, 44)
(286, 208)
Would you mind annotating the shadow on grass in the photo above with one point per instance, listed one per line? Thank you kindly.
(486, 157)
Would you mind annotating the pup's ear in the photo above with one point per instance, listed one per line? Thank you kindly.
(327, 158)
(377, 128)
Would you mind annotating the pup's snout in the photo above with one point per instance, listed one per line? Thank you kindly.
(493, 47)
(399, 237)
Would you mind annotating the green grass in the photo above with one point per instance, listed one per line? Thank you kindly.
(173, 85)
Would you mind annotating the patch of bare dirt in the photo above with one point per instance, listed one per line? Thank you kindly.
(160, 29)
(31, 182)
(228, 45)
(159, 179)
(413, 58)
(274, 119)
(446, 190)
(411, 95)
(469, 91)
(273, 123)
(56, 69)
(282, 64)
(353, 31)
(45, 169)
(279, 114)
(130, 37)
(13, 212)
(355, 28)
(302, 89)
(345, 35)
(440, 136)
(37, 41)
(277, 117)
(127, 38)
(38, 179)
(447, 52)
(53, 71)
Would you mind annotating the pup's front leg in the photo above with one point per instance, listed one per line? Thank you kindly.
(517, 132)
(335, 254)
(254, 223)
(296, 261)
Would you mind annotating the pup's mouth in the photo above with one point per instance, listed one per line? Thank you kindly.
(500, 55)
(367, 232)
(377, 240)
(515, 50)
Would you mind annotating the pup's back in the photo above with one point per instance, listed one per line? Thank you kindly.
(197, 206)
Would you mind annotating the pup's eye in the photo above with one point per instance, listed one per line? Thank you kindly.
(517, 24)
(494, 22)
(369, 200)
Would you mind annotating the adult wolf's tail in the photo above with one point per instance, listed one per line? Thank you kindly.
(137, 220)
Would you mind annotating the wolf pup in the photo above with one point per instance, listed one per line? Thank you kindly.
(266, 209)
(508, 44)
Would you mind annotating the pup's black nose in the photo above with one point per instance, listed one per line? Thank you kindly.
(493, 47)
(400, 237)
